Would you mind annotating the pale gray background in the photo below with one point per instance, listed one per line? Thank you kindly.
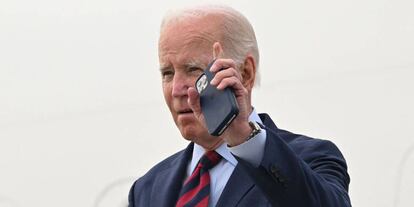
(82, 113)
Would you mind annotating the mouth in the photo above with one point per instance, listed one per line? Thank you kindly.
(184, 111)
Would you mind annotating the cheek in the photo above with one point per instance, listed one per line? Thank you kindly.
(166, 90)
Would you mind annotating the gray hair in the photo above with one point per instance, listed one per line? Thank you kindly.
(233, 22)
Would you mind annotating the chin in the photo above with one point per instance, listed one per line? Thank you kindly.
(190, 132)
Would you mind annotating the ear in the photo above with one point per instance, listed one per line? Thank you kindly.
(248, 72)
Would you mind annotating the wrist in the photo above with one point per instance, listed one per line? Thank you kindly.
(240, 135)
(256, 129)
(246, 133)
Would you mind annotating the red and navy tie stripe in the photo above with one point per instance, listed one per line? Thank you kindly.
(196, 189)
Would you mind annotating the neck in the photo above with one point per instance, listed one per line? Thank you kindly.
(211, 143)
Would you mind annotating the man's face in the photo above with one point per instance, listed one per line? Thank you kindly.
(185, 49)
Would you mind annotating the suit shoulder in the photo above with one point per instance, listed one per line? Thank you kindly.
(141, 189)
(302, 143)
(161, 166)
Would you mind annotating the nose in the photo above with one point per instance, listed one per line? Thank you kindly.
(180, 85)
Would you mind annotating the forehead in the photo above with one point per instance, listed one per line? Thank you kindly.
(195, 34)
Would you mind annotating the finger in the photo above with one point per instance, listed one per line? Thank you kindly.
(194, 101)
(217, 50)
(229, 72)
(232, 82)
(220, 64)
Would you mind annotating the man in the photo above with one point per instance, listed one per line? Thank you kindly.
(253, 163)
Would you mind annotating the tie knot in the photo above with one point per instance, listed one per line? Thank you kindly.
(209, 160)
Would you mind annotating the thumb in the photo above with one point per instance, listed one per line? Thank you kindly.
(217, 50)
(194, 102)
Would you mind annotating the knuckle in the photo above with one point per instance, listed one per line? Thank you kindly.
(225, 63)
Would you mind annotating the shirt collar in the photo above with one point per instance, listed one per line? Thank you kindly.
(254, 116)
(199, 151)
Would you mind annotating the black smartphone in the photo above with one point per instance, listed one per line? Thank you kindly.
(219, 107)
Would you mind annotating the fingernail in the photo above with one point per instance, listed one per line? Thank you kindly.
(213, 82)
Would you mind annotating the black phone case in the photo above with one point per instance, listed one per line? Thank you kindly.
(219, 107)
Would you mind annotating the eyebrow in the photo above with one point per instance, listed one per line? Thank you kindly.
(164, 67)
(194, 63)
(189, 64)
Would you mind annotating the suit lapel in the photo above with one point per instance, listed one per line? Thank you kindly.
(168, 183)
(236, 188)
(240, 183)
(267, 121)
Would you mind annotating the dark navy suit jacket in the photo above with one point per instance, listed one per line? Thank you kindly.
(296, 171)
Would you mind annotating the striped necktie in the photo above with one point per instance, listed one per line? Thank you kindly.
(196, 189)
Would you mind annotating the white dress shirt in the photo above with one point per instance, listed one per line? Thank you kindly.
(251, 151)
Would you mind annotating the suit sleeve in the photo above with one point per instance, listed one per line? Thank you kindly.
(306, 172)
(139, 195)
(131, 194)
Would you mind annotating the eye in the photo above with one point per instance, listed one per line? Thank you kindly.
(195, 70)
(167, 74)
